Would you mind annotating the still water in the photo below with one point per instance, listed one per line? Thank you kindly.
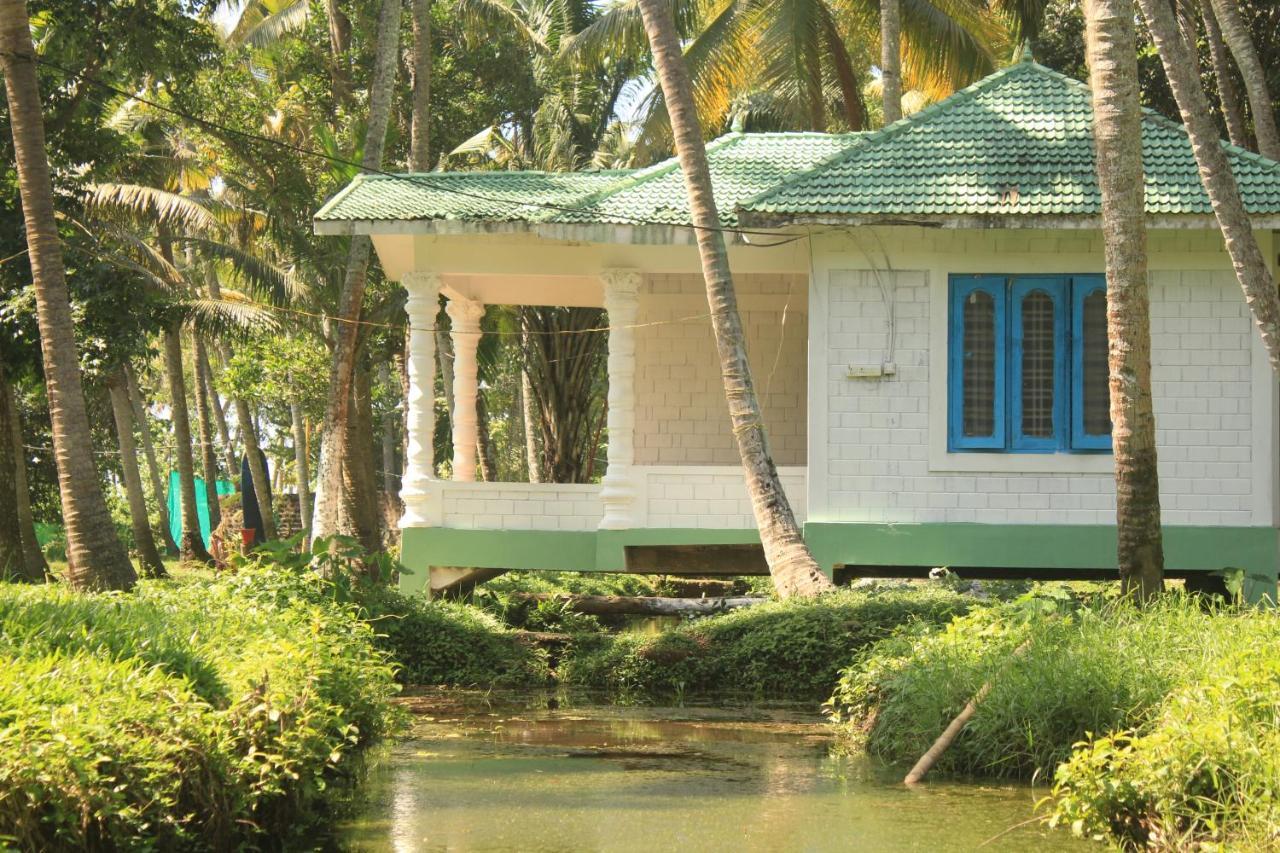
(538, 772)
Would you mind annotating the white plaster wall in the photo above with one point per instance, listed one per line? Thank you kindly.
(518, 506)
(708, 497)
(681, 417)
(878, 447)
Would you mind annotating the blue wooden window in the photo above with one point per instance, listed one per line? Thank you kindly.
(1027, 363)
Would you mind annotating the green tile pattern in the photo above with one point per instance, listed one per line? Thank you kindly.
(1019, 142)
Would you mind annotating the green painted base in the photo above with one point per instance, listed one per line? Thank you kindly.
(1042, 547)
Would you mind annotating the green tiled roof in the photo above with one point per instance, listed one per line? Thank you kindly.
(485, 196)
(1017, 143)
(742, 166)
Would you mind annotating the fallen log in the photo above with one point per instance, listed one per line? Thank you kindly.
(628, 605)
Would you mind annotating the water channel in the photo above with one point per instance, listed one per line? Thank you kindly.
(534, 771)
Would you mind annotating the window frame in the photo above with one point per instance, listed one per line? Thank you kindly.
(1068, 292)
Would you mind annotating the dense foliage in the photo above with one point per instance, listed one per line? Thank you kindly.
(778, 649)
(1160, 723)
(194, 715)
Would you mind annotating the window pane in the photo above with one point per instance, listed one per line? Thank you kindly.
(979, 364)
(1097, 399)
(1037, 364)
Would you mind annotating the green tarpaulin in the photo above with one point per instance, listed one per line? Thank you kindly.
(202, 506)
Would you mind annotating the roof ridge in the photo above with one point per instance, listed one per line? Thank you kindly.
(494, 172)
(640, 176)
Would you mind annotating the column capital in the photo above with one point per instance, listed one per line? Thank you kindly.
(621, 283)
(464, 312)
(422, 284)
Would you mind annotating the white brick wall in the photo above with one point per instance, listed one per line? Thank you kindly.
(681, 418)
(877, 458)
(709, 498)
(519, 506)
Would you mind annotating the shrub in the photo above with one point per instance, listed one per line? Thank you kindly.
(777, 649)
(188, 714)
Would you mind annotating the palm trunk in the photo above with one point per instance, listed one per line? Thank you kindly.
(855, 110)
(33, 558)
(302, 469)
(342, 367)
(14, 565)
(1216, 175)
(339, 42)
(793, 568)
(257, 471)
(191, 546)
(444, 352)
(360, 466)
(95, 557)
(149, 451)
(420, 128)
(143, 540)
(1228, 94)
(891, 59)
(531, 456)
(1236, 34)
(1117, 128)
(204, 423)
(205, 364)
(390, 480)
(484, 441)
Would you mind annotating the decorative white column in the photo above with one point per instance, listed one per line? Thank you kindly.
(421, 307)
(465, 317)
(618, 492)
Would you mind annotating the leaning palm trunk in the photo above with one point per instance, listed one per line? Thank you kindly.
(302, 469)
(143, 540)
(1117, 128)
(257, 471)
(346, 335)
(205, 365)
(204, 423)
(1216, 175)
(149, 451)
(13, 559)
(891, 59)
(1236, 34)
(191, 546)
(95, 557)
(33, 558)
(794, 570)
(1228, 94)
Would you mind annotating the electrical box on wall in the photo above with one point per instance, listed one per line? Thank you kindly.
(871, 371)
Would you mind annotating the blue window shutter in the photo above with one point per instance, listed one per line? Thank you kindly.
(980, 428)
(1038, 420)
(1090, 427)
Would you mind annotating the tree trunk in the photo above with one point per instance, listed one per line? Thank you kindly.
(346, 335)
(390, 428)
(257, 471)
(484, 442)
(339, 43)
(639, 605)
(1236, 33)
(36, 565)
(148, 450)
(793, 568)
(420, 128)
(205, 364)
(532, 458)
(1215, 173)
(1117, 127)
(1228, 94)
(358, 468)
(14, 565)
(204, 423)
(191, 546)
(95, 557)
(302, 469)
(143, 540)
(891, 59)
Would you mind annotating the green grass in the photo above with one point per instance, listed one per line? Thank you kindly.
(194, 715)
(1159, 725)
(788, 649)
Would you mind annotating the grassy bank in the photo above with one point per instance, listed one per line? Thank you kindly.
(1157, 726)
(193, 715)
(788, 649)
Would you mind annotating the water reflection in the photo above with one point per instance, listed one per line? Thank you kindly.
(532, 772)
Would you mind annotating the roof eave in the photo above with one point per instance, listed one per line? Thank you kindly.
(595, 232)
(754, 219)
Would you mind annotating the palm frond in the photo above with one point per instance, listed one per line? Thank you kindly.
(276, 26)
(152, 205)
(230, 317)
(945, 45)
(263, 279)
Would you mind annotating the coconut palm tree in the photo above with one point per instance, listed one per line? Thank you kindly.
(95, 556)
(1236, 33)
(36, 565)
(143, 540)
(794, 571)
(1228, 94)
(13, 558)
(1215, 174)
(1111, 44)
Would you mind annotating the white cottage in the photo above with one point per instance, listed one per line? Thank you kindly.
(925, 311)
